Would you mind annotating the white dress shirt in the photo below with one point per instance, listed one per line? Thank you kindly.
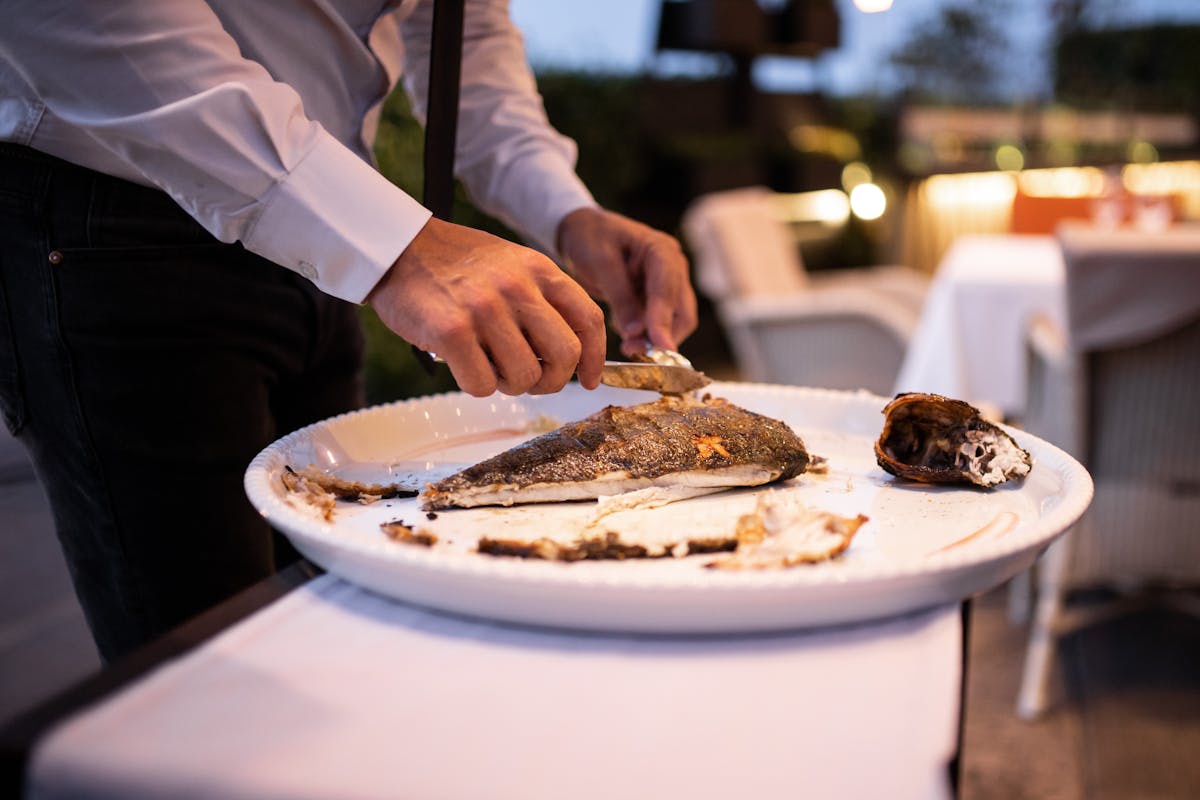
(257, 117)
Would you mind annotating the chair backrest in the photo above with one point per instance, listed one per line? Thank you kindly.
(1133, 316)
(1127, 286)
(1133, 311)
(741, 247)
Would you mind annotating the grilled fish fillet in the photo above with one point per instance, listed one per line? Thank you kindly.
(674, 441)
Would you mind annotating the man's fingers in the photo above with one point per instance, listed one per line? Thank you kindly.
(621, 291)
(670, 303)
(539, 334)
(559, 349)
(517, 367)
(585, 323)
(468, 361)
(642, 274)
(672, 319)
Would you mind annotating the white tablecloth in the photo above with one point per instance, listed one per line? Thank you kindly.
(971, 340)
(333, 692)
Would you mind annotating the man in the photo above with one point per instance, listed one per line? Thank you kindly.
(186, 206)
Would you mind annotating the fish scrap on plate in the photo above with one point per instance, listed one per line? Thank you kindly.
(318, 490)
(779, 532)
(933, 439)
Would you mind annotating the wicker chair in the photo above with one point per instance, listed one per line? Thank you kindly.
(847, 329)
(1127, 404)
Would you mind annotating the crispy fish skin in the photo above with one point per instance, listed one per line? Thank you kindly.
(668, 441)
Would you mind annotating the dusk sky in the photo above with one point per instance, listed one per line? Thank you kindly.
(618, 36)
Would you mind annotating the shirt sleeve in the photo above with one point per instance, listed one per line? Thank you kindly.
(515, 166)
(164, 88)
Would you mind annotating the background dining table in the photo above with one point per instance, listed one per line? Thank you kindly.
(331, 691)
(972, 337)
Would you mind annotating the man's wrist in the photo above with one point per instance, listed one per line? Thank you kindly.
(571, 222)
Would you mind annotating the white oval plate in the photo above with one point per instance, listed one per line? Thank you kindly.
(916, 550)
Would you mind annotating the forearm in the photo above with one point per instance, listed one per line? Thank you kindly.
(165, 89)
(514, 164)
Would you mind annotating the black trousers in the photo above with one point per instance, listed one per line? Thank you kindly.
(143, 364)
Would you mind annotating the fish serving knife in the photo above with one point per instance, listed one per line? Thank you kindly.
(657, 370)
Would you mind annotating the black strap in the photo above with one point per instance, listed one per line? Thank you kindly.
(441, 119)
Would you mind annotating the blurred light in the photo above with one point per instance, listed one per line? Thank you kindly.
(829, 207)
(867, 201)
(1062, 152)
(1010, 158)
(1063, 182)
(970, 189)
(1171, 177)
(1142, 152)
(855, 173)
(834, 142)
(948, 147)
(915, 157)
(1179, 179)
(872, 6)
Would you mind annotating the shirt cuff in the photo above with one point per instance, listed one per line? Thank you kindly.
(335, 220)
(539, 192)
(571, 196)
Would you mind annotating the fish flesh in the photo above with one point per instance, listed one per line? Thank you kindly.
(935, 439)
(673, 441)
(314, 490)
(784, 532)
(780, 532)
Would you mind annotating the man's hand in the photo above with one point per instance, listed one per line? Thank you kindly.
(501, 315)
(640, 272)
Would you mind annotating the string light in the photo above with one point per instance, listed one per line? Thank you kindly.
(867, 201)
